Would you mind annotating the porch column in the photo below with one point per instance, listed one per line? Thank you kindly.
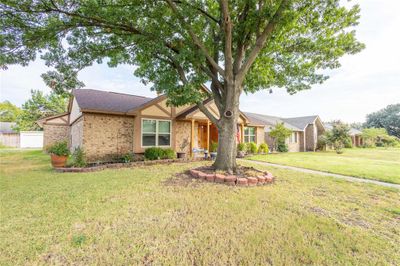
(208, 135)
(192, 139)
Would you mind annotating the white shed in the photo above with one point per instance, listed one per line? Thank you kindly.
(31, 139)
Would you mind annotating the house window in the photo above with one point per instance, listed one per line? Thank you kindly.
(156, 133)
(249, 134)
(293, 138)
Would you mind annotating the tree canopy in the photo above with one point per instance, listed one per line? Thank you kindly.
(179, 45)
(8, 112)
(387, 118)
(40, 106)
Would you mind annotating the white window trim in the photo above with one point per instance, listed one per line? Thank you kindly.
(156, 133)
(293, 138)
(248, 135)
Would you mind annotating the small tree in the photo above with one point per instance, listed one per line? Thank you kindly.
(279, 133)
(40, 106)
(338, 136)
(8, 112)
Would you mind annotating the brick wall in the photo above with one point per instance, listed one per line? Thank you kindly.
(270, 141)
(183, 131)
(106, 136)
(294, 146)
(310, 143)
(260, 135)
(54, 133)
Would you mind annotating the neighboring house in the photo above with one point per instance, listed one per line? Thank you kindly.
(355, 134)
(109, 124)
(305, 130)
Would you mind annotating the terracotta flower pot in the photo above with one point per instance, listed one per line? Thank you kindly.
(58, 161)
(181, 155)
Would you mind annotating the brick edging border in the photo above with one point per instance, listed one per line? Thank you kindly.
(232, 180)
(122, 165)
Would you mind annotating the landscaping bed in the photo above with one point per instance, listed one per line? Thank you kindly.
(244, 176)
(113, 165)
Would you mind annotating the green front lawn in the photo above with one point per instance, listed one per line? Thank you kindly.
(381, 164)
(142, 216)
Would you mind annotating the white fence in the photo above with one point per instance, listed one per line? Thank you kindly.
(31, 139)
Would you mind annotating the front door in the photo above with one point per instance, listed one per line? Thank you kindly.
(202, 136)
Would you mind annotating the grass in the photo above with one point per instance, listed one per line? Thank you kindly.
(381, 164)
(148, 215)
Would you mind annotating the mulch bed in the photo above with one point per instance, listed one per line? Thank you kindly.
(103, 166)
(244, 176)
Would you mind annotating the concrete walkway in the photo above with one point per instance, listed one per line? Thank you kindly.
(316, 172)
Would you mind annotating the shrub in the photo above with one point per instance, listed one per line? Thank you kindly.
(59, 148)
(241, 146)
(389, 141)
(251, 147)
(78, 158)
(348, 143)
(127, 158)
(156, 153)
(153, 153)
(213, 146)
(263, 148)
(282, 146)
(169, 154)
(322, 142)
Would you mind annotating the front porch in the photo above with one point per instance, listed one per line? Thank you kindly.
(202, 134)
(199, 130)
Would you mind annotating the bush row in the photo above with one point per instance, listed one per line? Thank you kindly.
(251, 148)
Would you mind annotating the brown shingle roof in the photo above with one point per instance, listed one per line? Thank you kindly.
(104, 101)
(269, 121)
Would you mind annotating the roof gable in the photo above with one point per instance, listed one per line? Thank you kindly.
(108, 102)
(267, 120)
(301, 122)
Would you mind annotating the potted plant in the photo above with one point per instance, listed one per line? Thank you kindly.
(241, 150)
(213, 150)
(182, 153)
(59, 153)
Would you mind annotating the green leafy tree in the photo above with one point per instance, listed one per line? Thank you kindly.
(280, 133)
(339, 136)
(40, 106)
(387, 118)
(8, 112)
(237, 46)
(378, 137)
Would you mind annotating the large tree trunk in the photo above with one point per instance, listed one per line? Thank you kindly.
(227, 131)
(226, 157)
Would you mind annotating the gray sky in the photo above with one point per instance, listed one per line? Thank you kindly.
(366, 82)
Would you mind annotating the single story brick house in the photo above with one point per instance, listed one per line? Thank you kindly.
(305, 130)
(108, 124)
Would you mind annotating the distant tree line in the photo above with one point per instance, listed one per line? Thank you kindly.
(38, 106)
